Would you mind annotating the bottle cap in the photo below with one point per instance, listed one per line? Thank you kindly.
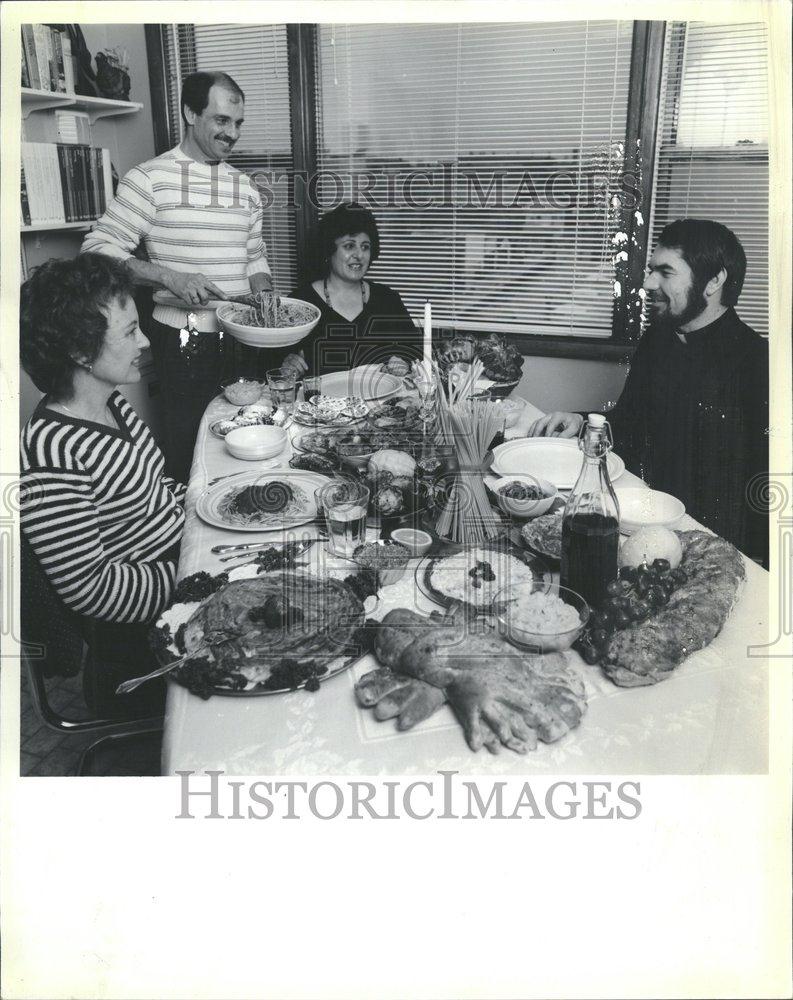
(596, 420)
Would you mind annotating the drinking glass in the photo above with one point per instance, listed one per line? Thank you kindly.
(344, 503)
(283, 388)
(311, 387)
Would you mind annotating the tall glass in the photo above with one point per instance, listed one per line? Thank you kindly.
(312, 386)
(344, 503)
(282, 384)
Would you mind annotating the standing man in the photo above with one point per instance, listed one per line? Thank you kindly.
(200, 221)
(692, 419)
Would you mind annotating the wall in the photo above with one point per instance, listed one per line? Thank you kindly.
(130, 140)
(566, 384)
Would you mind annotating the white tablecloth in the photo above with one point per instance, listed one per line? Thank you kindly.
(709, 717)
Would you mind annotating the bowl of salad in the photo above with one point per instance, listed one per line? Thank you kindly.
(522, 496)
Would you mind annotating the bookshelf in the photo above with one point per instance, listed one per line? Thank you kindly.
(51, 227)
(96, 107)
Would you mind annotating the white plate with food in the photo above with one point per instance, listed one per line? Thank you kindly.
(330, 411)
(269, 632)
(473, 575)
(261, 501)
(558, 460)
(367, 382)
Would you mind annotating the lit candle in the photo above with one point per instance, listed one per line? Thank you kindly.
(427, 336)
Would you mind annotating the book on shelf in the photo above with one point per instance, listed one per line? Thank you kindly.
(45, 56)
(24, 198)
(29, 48)
(64, 182)
(73, 127)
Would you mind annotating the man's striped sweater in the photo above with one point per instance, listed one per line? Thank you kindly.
(191, 217)
(99, 513)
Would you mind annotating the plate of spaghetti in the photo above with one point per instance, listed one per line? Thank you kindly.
(259, 501)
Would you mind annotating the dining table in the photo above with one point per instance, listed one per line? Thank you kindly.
(709, 717)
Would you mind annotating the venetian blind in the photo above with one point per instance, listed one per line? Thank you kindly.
(489, 154)
(255, 56)
(712, 150)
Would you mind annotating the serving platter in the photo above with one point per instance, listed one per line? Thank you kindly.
(556, 459)
(451, 570)
(212, 504)
(167, 638)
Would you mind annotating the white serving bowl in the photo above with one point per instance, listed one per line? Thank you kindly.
(255, 443)
(262, 336)
(522, 508)
(642, 508)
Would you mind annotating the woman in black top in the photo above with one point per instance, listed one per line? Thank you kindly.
(362, 322)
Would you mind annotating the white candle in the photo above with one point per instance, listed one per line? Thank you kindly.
(427, 335)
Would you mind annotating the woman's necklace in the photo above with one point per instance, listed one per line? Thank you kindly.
(107, 414)
(327, 292)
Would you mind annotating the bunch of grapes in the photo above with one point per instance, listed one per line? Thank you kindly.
(635, 595)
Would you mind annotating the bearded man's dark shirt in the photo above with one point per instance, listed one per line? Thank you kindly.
(692, 421)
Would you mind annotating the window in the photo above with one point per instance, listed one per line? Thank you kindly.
(712, 147)
(255, 55)
(489, 154)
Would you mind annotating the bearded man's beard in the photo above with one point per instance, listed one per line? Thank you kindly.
(696, 303)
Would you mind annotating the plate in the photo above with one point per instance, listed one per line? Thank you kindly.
(558, 460)
(302, 506)
(459, 573)
(367, 382)
(180, 613)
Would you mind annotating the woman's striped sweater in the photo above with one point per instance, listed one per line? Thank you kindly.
(99, 513)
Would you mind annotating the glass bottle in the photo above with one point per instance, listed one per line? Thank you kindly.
(591, 520)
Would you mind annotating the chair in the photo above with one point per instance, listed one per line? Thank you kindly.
(56, 642)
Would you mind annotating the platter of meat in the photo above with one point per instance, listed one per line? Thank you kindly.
(267, 634)
(473, 575)
(261, 501)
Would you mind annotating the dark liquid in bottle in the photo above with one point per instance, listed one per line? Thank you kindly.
(590, 544)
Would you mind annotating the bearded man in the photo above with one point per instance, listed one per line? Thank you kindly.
(692, 419)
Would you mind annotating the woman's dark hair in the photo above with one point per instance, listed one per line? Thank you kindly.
(61, 318)
(347, 220)
(196, 87)
(708, 247)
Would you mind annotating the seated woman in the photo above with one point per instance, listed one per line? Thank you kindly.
(100, 516)
(362, 322)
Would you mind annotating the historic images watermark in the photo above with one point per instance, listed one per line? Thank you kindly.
(773, 495)
(14, 493)
(212, 795)
(444, 185)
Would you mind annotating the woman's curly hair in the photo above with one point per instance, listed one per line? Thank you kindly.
(348, 219)
(61, 318)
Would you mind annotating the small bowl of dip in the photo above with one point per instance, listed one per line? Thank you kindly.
(545, 621)
(242, 391)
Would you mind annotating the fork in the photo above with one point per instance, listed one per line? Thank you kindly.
(125, 687)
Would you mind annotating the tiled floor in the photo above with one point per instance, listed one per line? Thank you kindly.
(43, 751)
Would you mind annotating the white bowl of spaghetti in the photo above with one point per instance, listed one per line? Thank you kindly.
(294, 319)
